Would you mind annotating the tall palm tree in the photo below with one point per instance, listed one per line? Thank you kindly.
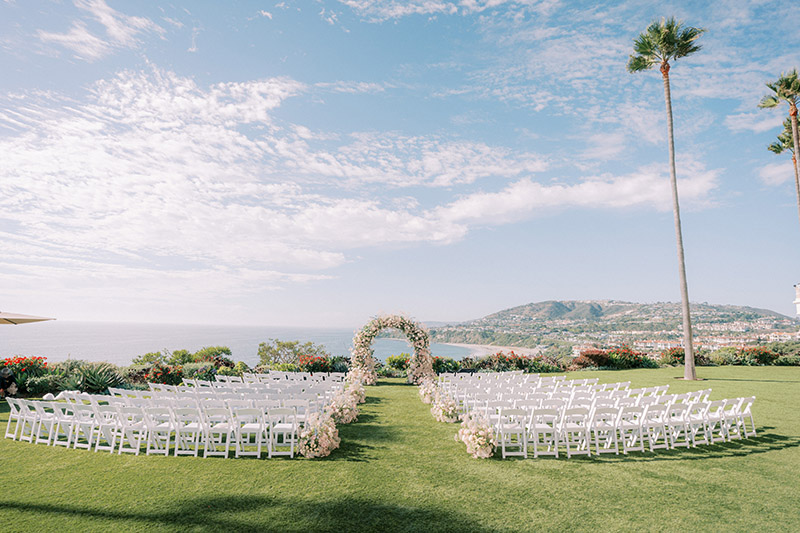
(787, 89)
(664, 41)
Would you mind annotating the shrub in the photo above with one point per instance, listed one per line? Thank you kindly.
(673, 356)
(135, 374)
(340, 363)
(541, 364)
(398, 362)
(390, 372)
(276, 352)
(40, 385)
(98, 377)
(315, 363)
(169, 375)
(204, 371)
(725, 356)
(219, 356)
(624, 357)
(590, 358)
(181, 357)
(787, 360)
(24, 368)
(240, 368)
(150, 359)
(757, 355)
(444, 364)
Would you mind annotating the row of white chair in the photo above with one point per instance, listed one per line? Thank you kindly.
(578, 429)
(157, 429)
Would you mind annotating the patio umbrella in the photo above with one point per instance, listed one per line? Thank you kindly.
(15, 318)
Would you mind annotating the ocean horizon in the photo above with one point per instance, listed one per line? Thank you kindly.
(119, 343)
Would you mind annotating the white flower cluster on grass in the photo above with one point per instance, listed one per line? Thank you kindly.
(427, 391)
(444, 409)
(319, 436)
(478, 435)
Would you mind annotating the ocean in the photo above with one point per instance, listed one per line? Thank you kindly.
(119, 343)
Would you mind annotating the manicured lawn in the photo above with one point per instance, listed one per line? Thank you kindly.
(399, 470)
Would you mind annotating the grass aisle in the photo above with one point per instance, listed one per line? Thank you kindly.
(399, 470)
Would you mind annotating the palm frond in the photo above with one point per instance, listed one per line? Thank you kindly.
(663, 41)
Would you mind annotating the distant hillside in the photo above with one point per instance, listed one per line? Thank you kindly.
(558, 323)
(597, 310)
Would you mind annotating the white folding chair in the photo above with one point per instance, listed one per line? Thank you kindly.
(696, 418)
(132, 429)
(65, 418)
(654, 427)
(13, 417)
(218, 431)
(159, 430)
(745, 411)
(249, 431)
(512, 430)
(604, 430)
(730, 419)
(27, 420)
(84, 426)
(188, 430)
(283, 431)
(575, 431)
(678, 426)
(45, 421)
(630, 428)
(715, 421)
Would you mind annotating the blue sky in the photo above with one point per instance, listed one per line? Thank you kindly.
(315, 163)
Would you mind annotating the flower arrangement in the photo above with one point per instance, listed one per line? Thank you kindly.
(343, 408)
(444, 409)
(361, 375)
(420, 365)
(319, 437)
(355, 388)
(478, 435)
(427, 391)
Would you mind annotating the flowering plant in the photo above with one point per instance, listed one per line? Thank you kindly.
(478, 435)
(25, 367)
(362, 375)
(170, 375)
(315, 363)
(319, 437)
(445, 409)
(355, 388)
(427, 391)
(343, 408)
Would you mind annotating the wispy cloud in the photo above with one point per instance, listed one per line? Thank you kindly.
(121, 31)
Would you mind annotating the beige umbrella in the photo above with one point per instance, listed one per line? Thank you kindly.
(15, 318)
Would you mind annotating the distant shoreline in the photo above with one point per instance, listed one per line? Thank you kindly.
(480, 350)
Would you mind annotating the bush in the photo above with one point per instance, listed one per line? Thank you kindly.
(590, 358)
(340, 363)
(24, 368)
(725, 356)
(444, 364)
(40, 385)
(219, 356)
(390, 372)
(169, 375)
(624, 357)
(398, 362)
(204, 371)
(787, 360)
(98, 377)
(150, 359)
(541, 364)
(757, 355)
(315, 363)
(674, 356)
(276, 352)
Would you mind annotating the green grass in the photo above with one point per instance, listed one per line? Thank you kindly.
(399, 470)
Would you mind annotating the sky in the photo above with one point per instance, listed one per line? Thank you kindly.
(316, 163)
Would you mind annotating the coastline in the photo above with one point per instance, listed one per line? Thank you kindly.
(480, 350)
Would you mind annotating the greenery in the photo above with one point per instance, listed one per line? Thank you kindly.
(278, 352)
(399, 470)
(219, 356)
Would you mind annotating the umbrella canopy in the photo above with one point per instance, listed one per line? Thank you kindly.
(15, 318)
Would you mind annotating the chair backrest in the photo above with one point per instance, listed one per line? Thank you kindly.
(656, 412)
(746, 404)
(155, 416)
(631, 414)
(13, 404)
(604, 415)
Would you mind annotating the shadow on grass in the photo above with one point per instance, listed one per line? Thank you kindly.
(263, 513)
(753, 380)
(764, 443)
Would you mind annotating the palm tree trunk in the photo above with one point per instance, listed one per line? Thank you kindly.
(688, 368)
(796, 141)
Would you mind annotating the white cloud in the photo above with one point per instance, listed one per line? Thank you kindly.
(777, 173)
(757, 122)
(525, 198)
(121, 31)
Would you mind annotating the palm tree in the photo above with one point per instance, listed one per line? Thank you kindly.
(664, 41)
(787, 89)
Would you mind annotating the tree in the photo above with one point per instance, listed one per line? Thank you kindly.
(664, 41)
(787, 89)
(278, 352)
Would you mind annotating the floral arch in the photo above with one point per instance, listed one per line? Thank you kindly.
(420, 366)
